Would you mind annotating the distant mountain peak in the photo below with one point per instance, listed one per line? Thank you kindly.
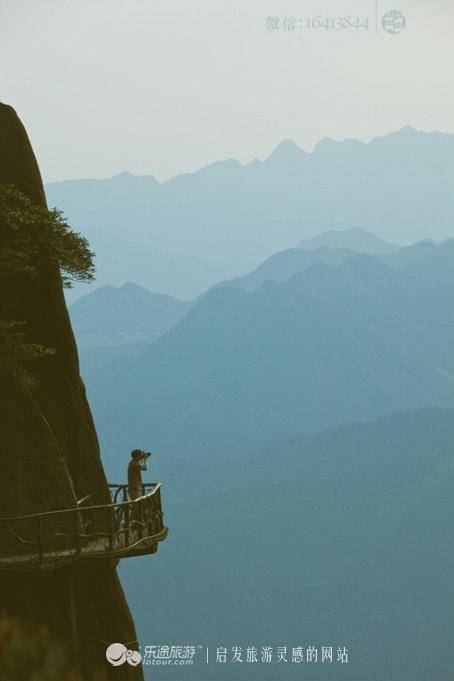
(126, 176)
(131, 286)
(329, 143)
(409, 128)
(220, 166)
(124, 173)
(287, 150)
(354, 238)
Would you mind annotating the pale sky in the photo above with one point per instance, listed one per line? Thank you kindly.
(166, 86)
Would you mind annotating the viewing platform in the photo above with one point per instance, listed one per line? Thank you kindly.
(43, 542)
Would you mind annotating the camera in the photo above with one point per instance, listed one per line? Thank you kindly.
(146, 455)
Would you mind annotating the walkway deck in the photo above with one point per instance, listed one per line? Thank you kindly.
(46, 541)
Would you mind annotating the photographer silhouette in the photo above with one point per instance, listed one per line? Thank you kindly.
(138, 463)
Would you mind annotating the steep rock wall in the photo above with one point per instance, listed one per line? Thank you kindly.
(49, 453)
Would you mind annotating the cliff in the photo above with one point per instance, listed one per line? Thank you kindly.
(49, 450)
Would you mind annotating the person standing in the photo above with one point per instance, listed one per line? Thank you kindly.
(138, 463)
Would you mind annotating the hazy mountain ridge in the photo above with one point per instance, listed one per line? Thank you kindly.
(285, 264)
(229, 210)
(415, 259)
(119, 260)
(112, 324)
(330, 344)
(354, 239)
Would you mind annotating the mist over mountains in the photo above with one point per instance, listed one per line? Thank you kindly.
(117, 324)
(343, 538)
(119, 259)
(339, 535)
(332, 537)
(353, 341)
(426, 258)
(299, 407)
(110, 322)
(354, 239)
(398, 186)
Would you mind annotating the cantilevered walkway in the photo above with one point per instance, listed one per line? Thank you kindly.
(46, 541)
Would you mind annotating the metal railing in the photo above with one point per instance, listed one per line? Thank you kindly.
(46, 541)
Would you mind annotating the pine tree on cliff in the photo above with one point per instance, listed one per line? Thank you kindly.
(29, 235)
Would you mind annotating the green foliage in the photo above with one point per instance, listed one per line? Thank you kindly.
(32, 237)
(16, 353)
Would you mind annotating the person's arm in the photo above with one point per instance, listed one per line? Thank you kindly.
(144, 465)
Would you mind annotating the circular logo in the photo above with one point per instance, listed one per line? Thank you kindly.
(116, 654)
(133, 657)
(393, 21)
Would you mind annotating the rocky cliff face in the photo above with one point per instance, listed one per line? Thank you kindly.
(49, 453)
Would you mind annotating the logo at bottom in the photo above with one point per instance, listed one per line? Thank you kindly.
(117, 654)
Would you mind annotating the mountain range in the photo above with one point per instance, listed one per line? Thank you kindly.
(119, 259)
(430, 257)
(305, 506)
(329, 345)
(114, 321)
(355, 239)
(116, 324)
(398, 186)
(118, 320)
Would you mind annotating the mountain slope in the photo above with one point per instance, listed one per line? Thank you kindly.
(285, 264)
(111, 323)
(427, 258)
(340, 539)
(329, 345)
(432, 261)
